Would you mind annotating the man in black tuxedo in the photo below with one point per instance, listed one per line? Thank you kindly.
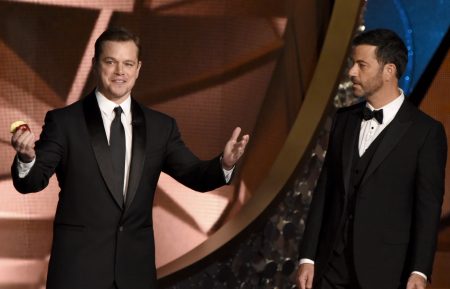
(374, 217)
(108, 151)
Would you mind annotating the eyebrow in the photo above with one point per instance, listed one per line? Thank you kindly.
(112, 58)
(360, 61)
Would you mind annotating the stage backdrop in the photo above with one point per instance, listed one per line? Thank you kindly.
(212, 65)
(209, 64)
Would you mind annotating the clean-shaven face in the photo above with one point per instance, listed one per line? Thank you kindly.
(366, 72)
(117, 69)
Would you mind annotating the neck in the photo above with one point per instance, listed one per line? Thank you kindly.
(383, 97)
(116, 99)
(119, 101)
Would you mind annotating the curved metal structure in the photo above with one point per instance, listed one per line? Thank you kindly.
(321, 91)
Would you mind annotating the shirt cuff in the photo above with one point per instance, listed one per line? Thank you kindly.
(306, 261)
(227, 174)
(24, 168)
(420, 274)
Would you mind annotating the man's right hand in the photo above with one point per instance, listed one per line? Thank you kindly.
(23, 142)
(305, 275)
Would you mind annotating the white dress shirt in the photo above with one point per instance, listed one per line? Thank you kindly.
(369, 131)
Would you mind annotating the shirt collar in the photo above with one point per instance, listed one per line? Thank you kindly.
(107, 106)
(390, 109)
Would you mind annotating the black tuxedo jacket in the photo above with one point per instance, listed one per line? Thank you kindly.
(398, 203)
(98, 240)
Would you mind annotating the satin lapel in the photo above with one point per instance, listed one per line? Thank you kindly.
(138, 151)
(349, 142)
(100, 146)
(395, 131)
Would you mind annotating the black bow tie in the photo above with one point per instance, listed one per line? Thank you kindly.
(369, 114)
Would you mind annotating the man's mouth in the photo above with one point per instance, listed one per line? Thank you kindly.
(354, 81)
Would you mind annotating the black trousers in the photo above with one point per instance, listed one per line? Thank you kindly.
(340, 273)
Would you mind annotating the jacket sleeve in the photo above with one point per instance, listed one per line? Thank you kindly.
(430, 177)
(49, 151)
(313, 227)
(185, 167)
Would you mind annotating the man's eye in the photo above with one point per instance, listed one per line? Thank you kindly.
(129, 64)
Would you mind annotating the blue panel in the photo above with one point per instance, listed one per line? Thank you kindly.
(420, 23)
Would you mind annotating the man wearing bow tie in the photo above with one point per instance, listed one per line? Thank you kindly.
(108, 151)
(374, 217)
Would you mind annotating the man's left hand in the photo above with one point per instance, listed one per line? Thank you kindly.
(234, 149)
(416, 281)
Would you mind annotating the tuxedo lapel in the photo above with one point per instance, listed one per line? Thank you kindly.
(395, 131)
(100, 146)
(349, 142)
(138, 151)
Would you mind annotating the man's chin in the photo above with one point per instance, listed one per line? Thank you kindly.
(357, 93)
(116, 95)
(119, 93)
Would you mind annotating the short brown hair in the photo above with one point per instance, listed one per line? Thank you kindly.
(389, 47)
(116, 34)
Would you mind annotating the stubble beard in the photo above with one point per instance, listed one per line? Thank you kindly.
(368, 89)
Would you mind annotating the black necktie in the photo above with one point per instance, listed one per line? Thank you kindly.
(117, 147)
(369, 114)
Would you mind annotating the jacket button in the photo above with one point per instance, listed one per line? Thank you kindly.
(120, 228)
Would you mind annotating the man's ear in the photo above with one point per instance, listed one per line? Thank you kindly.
(390, 71)
(139, 68)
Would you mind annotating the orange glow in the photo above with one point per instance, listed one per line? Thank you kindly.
(212, 80)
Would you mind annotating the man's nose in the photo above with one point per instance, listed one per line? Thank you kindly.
(352, 70)
(119, 69)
